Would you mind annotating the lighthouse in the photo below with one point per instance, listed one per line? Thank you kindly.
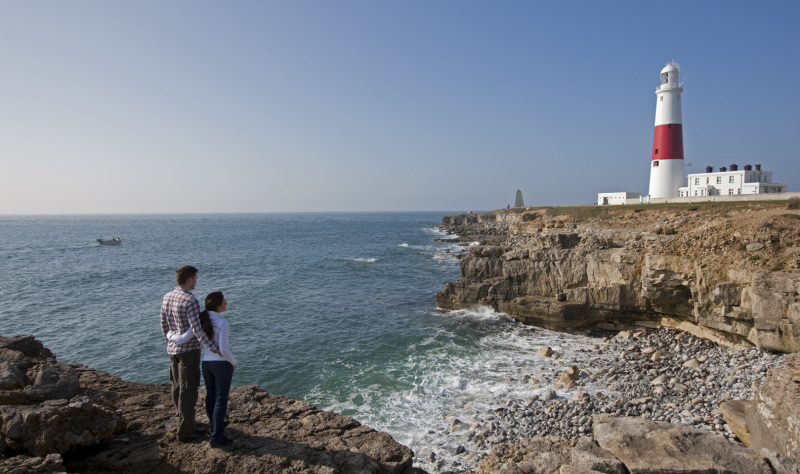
(666, 165)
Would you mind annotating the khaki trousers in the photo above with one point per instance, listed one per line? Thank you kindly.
(184, 372)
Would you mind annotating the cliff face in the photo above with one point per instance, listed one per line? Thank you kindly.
(728, 272)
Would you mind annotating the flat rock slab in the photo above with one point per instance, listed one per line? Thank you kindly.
(653, 447)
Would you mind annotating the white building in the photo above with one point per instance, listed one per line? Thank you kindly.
(606, 199)
(731, 181)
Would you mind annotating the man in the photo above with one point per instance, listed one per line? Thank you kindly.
(180, 310)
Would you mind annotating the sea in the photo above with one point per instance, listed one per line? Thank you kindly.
(336, 309)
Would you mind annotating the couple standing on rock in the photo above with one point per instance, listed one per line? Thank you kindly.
(185, 328)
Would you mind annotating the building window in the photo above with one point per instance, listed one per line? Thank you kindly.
(739, 191)
(708, 180)
(730, 179)
(719, 179)
(696, 181)
(730, 191)
(695, 192)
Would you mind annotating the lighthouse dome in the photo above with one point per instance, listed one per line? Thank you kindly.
(671, 66)
(669, 77)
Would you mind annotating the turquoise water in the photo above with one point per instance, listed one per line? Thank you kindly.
(335, 309)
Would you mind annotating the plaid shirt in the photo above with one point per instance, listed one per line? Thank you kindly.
(180, 311)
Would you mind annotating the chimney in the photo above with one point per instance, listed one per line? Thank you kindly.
(722, 168)
(709, 169)
(734, 167)
(748, 167)
(758, 166)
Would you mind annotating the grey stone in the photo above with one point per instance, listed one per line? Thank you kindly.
(11, 378)
(57, 381)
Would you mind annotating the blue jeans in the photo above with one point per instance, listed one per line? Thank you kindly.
(218, 375)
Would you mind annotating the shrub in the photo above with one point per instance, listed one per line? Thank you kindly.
(793, 203)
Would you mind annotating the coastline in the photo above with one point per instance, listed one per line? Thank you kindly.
(557, 411)
(652, 272)
(589, 402)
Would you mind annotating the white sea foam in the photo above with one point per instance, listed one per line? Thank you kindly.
(471, 364)
(364, 260)
(403, 245)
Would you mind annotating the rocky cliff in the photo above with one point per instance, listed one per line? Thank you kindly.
(728, 272)
(67, 417)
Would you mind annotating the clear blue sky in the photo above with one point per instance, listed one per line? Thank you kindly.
(215, 106)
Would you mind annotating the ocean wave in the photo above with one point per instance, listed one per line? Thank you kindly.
(364, 260)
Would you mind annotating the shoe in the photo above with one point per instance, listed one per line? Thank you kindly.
(225, 441)
(193, 437)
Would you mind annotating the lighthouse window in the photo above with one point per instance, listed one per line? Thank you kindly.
(661, 98)
(655, 164)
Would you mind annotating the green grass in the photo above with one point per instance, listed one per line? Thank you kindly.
(603, 211)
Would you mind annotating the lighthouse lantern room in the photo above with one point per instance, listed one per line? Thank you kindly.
(666, 167)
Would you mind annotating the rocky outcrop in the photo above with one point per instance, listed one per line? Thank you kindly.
(726, 272)
(634, 445)
(40, 407)
(773, 416)
(56, 417)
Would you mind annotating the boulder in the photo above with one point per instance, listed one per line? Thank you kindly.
(52, 382)
(773, 416)
(57, 426)
(568, 375)
(735, 414)
(646, 446)
(11, 378)
(545, 455)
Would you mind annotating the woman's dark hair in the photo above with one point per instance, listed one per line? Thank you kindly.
(213, 301)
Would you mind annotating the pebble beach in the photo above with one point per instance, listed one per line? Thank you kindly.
(658, 374)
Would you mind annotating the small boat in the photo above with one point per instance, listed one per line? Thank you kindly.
(114, 241)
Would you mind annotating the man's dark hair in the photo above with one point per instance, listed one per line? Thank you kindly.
(184, 273)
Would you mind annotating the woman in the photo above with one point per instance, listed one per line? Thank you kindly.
(217, 368)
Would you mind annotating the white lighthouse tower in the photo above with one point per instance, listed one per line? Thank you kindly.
(666, 168)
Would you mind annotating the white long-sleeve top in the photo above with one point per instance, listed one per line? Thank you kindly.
(220, 338)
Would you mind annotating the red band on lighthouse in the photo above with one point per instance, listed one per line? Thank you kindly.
(668, 142)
